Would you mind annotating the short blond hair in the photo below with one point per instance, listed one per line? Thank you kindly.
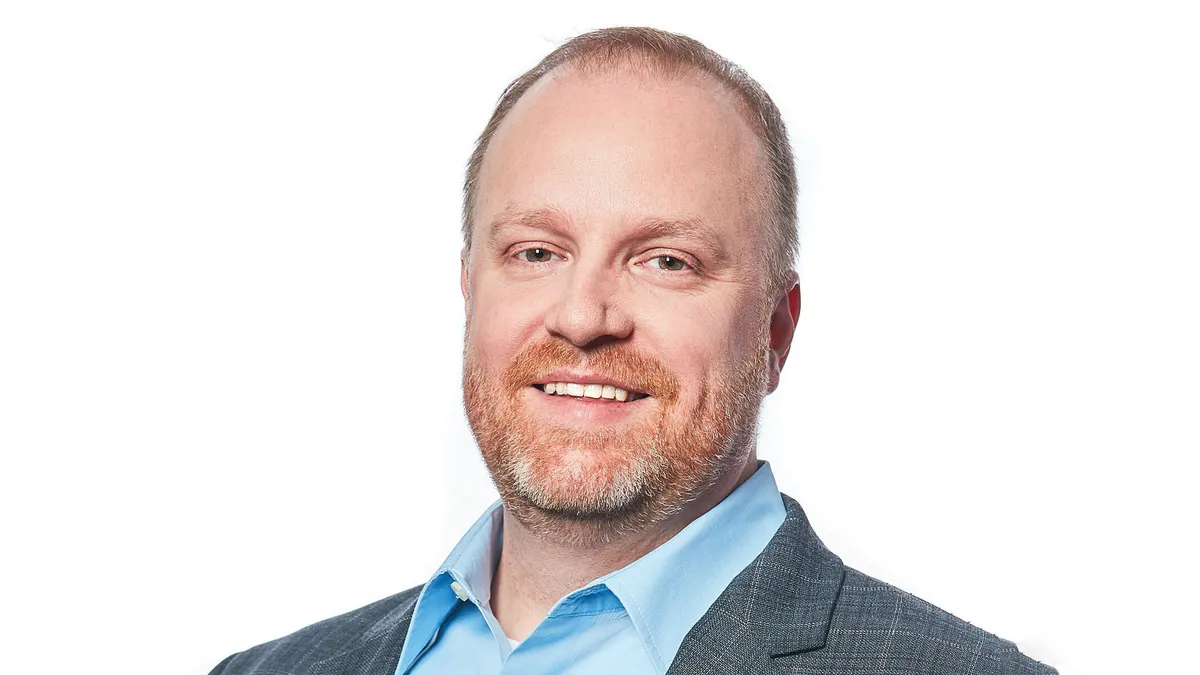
(667, 54)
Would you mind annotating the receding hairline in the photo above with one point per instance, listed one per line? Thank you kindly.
(722, 95)
(643, 68)
(648, 69)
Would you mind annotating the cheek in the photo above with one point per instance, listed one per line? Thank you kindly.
(690, 338)
(703, 341)
(501, 321)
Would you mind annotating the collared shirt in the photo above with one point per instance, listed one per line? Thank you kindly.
(630, 621)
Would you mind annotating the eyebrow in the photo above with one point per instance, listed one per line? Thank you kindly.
(690, 228)
(687, 228)
(543, 219)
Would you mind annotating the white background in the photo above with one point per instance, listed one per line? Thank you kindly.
(230, 324)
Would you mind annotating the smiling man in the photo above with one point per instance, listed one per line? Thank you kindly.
(629, 227)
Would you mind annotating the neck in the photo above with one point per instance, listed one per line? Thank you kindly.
(535, 572)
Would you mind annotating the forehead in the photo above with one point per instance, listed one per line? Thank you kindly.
(623, 146)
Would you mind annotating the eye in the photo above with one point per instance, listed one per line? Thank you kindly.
(668, 263)
(536, 255)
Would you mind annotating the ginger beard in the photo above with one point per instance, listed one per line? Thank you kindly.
(588, 486)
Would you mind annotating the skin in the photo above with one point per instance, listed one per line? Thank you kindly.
(609, 172)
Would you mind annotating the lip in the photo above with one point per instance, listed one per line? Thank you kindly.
(585, 378)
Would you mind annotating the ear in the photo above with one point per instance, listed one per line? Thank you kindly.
(462, 280)
(783, 328)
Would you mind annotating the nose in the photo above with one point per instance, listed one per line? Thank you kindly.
(589, 310)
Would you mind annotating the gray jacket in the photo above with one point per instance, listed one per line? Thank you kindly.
(795, 610)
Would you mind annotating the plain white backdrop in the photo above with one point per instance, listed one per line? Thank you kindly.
(230, 323)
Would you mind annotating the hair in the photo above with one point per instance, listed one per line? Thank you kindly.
(667, 54)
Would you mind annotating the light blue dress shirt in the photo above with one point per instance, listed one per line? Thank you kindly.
(631, 621)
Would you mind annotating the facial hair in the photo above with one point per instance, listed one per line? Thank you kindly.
(590, 486)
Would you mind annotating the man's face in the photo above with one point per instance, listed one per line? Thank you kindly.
(616, 246)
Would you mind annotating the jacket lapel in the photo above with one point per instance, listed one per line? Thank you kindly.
(781, 604)
(378, 652)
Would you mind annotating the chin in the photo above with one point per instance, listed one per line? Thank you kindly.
(597, 481)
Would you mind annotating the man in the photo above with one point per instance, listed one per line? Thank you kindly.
(629, 226)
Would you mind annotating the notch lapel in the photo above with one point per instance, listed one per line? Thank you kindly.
(780, 604)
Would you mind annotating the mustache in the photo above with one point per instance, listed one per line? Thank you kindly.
(642, 372)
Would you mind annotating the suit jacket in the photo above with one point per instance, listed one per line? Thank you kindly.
(795, 610)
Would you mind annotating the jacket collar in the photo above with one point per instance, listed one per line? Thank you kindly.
(781, 604)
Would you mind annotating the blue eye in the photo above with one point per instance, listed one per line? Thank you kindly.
(536, 255)
(668, 263)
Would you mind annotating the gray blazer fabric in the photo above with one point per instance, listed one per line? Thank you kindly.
(795, 610)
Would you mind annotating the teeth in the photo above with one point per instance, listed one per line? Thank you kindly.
(587, 390)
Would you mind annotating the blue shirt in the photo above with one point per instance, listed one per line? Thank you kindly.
(631, 621)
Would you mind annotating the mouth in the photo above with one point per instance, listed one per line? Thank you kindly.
(601, 392)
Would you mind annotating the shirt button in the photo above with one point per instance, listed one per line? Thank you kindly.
(458, 590)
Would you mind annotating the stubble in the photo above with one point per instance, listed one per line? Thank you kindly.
(588, 487)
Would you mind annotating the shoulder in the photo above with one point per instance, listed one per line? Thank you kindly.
(296, 652)
(875, 620)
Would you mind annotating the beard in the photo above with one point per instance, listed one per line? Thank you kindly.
(586, 487)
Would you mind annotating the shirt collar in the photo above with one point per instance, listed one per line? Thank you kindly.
(473, 561)
(665, 592)
(468, 569)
